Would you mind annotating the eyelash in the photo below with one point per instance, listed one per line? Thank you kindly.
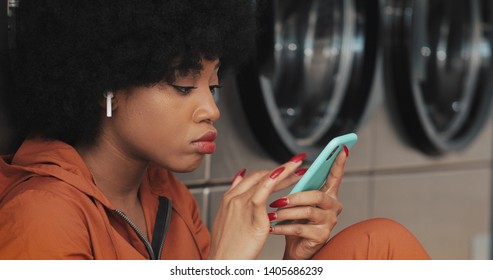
(187, 90)
(184, 90)
(214, 88)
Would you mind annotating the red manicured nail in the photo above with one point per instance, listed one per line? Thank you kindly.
(298, 158)
(271, 229)
(272, 216)
(240, 173)
(277, 172)
(346, 150)
(281, 202)
(300, 172)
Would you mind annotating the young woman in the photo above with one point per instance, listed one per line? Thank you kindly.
(115, 96)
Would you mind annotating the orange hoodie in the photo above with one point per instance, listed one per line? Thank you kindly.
(50, 208)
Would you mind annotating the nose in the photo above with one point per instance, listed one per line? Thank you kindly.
(207, 110)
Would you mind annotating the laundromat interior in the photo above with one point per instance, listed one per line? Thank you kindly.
(412, 78)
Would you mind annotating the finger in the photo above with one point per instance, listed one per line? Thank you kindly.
(245, 183)
(290, 179)
(254, 189)
(307, 214)
(238, 177)
(282, 177)
(308, 198)
(267, 184)
(314, 233)
(256, 176)
(336, 174)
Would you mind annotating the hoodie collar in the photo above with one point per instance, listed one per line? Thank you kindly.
(53, 158)
(40, 157)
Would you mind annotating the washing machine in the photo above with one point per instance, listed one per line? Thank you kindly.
(411, 78)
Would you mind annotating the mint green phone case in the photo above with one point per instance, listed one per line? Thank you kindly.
(316, 174)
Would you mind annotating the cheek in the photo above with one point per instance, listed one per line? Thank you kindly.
(148, 110)
(140, 116)
(157, 121)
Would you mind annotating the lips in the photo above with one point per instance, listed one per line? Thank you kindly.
(208, 137)
(205, 144)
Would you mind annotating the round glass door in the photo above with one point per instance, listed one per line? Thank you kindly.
(438, 70)
(312, 75)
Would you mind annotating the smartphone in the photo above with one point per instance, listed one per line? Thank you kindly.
(316, 175)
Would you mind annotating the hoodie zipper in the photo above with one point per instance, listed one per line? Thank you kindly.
(139, 233)
(161, 224)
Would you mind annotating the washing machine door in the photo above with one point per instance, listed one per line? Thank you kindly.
(438, 66)
(311, 78)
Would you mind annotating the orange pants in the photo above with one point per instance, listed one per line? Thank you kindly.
(374, 239)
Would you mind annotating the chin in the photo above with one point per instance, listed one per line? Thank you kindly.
(184, 170)
(190, 167)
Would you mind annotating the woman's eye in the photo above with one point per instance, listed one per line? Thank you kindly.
(215, 88)
(184, 89)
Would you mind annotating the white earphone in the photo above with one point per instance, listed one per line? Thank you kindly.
(109, 110)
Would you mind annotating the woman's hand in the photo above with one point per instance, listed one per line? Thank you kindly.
(242, 224)
(313, 215)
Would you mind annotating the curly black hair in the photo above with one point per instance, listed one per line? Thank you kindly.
(70, 52)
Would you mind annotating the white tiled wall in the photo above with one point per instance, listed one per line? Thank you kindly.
(446, 210)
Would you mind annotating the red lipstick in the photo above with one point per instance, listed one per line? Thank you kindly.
(205, 144)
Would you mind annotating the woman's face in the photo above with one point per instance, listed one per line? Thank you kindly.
(169, 124)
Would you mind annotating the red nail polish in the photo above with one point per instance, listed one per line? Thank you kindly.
(240, 173)
(346, 150)
(281, 202)
(270, 229)
(300, 172)
(272, 216)
(298, 158)
(277, 172)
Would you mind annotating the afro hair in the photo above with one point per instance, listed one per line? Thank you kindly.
(69, 53)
